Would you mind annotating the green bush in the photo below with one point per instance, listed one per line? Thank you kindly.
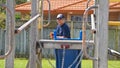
(18, 16)
(2, 20)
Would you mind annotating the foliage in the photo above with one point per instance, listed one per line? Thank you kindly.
(16, 1)
(2, 12)
(18, 16)
(20, 1)
(27, 16)
(2, 20)
(2, 1)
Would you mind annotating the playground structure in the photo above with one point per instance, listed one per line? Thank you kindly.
(100, 32)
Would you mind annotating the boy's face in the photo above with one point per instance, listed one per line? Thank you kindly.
(60, 21)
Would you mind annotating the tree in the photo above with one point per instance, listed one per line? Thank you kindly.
(16, 1)
(20, 1)
(2, 11)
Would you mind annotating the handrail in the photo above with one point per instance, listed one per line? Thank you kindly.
(84, 32)
(26, 24)
(10, 46)
(48, 15)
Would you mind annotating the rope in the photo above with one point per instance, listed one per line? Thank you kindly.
(63, 57)
(50, 62)
(47, 57)
(79, 61)
(79, 55)
(33, 50)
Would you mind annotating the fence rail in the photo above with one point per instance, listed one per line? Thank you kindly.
(22, 41)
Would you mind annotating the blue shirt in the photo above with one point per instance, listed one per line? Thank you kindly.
(63, 30)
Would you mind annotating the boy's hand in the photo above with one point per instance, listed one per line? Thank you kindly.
(51, 35)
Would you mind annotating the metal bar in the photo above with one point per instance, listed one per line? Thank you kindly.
(102, 33)
(92, 22)
(64, 41)
(26, 24)
(84, 31)
(40, 11)
(113, 52)
(33, 34)
(49, 14)
(58, 44)
(9, 35)
(10, 46)
(95, 63)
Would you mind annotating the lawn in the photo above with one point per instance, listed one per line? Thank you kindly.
(21, 63)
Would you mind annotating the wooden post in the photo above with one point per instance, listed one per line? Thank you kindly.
(33, 35)
(9, 35)
(102, 34)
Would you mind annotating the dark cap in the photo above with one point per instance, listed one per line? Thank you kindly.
(60, 16)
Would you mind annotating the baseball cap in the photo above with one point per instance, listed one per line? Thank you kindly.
(60, 16)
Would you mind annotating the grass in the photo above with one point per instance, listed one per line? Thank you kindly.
(114, 64)
(21, 63)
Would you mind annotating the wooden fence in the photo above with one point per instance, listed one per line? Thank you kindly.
(22, 41)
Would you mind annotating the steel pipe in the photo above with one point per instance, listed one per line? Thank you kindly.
(26, 24)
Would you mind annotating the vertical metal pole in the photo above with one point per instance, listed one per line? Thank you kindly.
(41, 12)
(40, 9)
(95, 62)
(72, 28)
(9, 35)
(102, 34)
(33, 35)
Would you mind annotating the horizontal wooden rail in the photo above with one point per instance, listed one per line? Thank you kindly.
(26, 24)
